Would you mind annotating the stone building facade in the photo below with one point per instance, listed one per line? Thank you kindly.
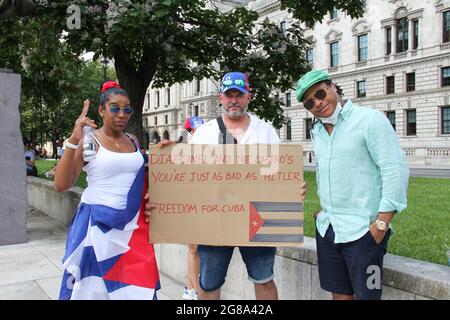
(396, 58)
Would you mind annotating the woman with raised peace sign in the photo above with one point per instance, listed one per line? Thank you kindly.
(108, 255)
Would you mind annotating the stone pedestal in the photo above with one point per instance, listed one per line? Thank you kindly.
(13, 180)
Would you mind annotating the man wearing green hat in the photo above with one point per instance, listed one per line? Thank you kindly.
(362, 180)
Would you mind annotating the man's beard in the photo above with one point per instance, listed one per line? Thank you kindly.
(235, 114)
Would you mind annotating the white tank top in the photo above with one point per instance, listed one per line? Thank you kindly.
(110, 176)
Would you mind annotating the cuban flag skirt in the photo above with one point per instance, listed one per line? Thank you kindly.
(108, 254)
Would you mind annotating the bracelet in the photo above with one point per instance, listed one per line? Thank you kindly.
(71, 145)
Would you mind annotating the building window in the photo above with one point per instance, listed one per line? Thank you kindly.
(310, 57)
(148, 100)
(445, 120)
(198, 86)
(157, 99)
(415, 34)
(402, 35)
(308, 127)
(196, 111)
(362, 47)
(146, 122)
(288, 99)
(333, 14)
(156, 121)
(283, 27)
(390, 85)
(168, 96)
(391, 117)
(361, 89)
(446, 26)
(334, 54)
(289, 130)
(388, 41)
(411, 122)
(166, 119)
(445, 76)
(410, 82)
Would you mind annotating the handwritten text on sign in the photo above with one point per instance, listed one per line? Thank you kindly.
(226, 194)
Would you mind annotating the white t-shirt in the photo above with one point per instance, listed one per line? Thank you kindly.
(258, 131)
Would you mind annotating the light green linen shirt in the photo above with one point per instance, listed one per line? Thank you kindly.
(361, 170)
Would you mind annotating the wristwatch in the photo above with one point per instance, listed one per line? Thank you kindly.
(381, 225)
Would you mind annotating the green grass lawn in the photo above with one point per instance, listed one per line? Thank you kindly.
(45, 165)
(421, 232)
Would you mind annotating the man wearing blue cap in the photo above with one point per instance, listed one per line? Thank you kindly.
(236, 125)
(362, 180)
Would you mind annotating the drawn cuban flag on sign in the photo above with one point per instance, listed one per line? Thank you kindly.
(276, 222)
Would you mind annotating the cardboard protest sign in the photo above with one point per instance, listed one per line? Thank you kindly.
(246, 195)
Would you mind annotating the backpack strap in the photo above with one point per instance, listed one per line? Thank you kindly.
(224, 132)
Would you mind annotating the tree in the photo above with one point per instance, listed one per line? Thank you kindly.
(54, 80)
(170, 41)
(22, 8)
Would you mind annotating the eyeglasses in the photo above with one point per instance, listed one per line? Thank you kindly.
(126, 110)
(319, 94)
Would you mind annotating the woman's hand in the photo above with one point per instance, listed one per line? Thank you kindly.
(148, 207)
(82, 121)
(164, 143)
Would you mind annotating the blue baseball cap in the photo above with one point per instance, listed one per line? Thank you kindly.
(235, 80)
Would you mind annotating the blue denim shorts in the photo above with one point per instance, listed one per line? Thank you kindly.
(214, 262)
(348, 268)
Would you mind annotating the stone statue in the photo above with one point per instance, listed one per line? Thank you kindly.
(13, 181)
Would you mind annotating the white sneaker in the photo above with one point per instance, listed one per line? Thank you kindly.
(189, 294)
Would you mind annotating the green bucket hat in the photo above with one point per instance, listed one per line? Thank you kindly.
(308, 80)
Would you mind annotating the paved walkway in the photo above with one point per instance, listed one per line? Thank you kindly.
(33, 270)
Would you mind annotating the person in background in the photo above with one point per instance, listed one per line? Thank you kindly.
(59, 151)
(193, 261)
(30, 160)
(51, 172)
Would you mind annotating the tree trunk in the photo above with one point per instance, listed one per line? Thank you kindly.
(135, 83)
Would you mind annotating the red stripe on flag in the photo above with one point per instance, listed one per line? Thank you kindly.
(138, 265)
(255, 222)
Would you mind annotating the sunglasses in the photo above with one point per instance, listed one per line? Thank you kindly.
(320, 94)
(237, 82)
(126, 110)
